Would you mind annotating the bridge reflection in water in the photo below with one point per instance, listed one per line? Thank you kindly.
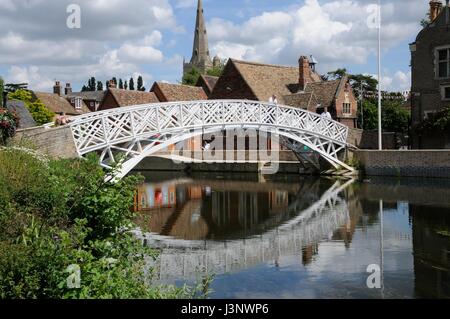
(216, 227)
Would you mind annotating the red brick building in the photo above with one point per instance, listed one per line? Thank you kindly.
(300, 87)
(167, 92)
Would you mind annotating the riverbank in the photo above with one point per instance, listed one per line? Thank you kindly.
(408, 163)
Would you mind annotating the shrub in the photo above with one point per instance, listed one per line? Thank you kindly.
(37, 109)
(9, 122)
(60, 222)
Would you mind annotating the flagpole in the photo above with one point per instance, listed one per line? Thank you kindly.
(380, 133)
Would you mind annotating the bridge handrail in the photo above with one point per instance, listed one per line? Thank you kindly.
(341, 138)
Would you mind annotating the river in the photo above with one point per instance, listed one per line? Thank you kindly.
(299, 237)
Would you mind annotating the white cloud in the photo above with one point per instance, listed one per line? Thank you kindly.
(335, 32)
(30, 75)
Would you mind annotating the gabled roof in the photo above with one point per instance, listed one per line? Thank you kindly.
(25, 118)
(89, 95)
(178, 92)
(323, 93)
(129, 98)
(267, 79)
(208, 81)
(58, 104)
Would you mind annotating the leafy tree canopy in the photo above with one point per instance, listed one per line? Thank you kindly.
(191, 77)
(38, 110)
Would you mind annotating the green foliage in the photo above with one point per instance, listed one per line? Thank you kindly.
(140, 84)
(38, 110)
(439, 121)
(8, 124)
(131, 84)
(99, 86)
(57, 217)
(191, 77)
(338, 74)
(368, 115)
(216, 71)
(394, 117)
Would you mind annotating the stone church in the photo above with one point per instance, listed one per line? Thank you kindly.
(201, 58)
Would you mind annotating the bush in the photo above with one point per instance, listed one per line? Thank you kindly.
(38, 110)
(63, 232)
(8, 124)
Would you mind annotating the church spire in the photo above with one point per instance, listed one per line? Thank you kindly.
(200, 52)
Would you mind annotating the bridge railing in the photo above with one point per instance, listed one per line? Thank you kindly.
(95, 130)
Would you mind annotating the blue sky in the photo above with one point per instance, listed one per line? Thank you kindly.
(150, 37)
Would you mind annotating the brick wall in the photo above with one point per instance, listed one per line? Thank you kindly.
(429, 163)
(369, 139)
(56, 142)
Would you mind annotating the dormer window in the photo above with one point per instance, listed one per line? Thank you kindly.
(77, 103)
(443, 62)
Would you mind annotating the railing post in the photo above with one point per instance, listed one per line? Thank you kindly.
(157, 119)
(133, 128)
(181, 116)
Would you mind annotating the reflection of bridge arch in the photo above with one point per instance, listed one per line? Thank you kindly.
(140, 131)
(188, 259)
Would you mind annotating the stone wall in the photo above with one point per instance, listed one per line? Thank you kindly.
(368, 140)
(56, 142)
(430, 163)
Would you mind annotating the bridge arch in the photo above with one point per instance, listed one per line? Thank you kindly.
(139, 131)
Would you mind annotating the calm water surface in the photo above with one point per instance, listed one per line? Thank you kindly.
(297, 237)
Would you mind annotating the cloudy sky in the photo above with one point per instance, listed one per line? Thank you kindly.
(150, 37)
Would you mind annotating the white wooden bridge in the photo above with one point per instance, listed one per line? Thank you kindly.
(130, 134)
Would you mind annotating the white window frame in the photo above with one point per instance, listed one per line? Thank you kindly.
(349, 108)
(78, 103)
(443, 87)
(437, 61)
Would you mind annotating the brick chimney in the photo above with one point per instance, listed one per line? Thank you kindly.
(68, 89)
(304, 71)
(57, 89)
(112, 84)
(435, 9)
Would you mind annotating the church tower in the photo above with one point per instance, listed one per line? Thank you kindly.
(200, 52)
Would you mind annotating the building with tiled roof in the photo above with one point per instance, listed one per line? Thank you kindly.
(167, 92)
(58, 103)
(93, 99)
(207, 82)
(300, 87)
(119, 98)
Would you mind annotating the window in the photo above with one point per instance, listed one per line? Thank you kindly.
(443, 62)
(78, 102)
(445, 92)
(347, 109)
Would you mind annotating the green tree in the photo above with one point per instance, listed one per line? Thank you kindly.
(120, 84)
(395, 118)
(338, 74)
(125, 86)
(99, 86)
(140, 84)
(38, 110)
(131, 84)
(216, 71)
(191, 77)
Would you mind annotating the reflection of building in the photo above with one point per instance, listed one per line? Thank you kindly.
(431, 240)
(196, 212)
